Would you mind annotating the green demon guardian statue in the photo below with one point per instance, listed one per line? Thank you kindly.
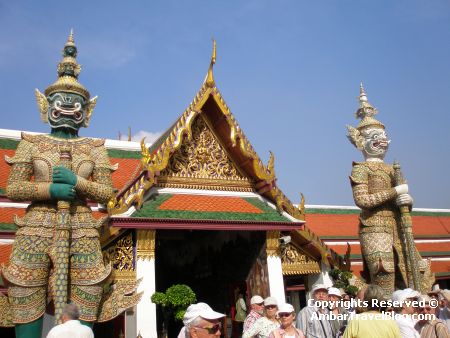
(385, 233)
(57, 257)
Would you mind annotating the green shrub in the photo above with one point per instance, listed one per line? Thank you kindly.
(175, 300)
(341, 281)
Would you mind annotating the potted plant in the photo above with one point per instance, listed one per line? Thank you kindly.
(173, 302)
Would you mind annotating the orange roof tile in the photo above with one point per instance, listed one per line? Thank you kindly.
(209, 203)
(431, 225)
(436, 267)
(347, 225)
(342, 249)
(357, 269)
(440, 266)
(332, 224)
(7, 214)
(422, 247)
(5, 252)
(128, 169)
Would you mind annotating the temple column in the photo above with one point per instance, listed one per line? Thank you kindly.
(145, 269)
(275, 271)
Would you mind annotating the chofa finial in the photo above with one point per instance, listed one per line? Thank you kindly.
(210, 76)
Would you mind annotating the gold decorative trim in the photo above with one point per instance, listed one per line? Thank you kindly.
(125, 275)
(295, 262)
(301, 269)
(145, 247)
(223, 185)
(273, 243)
(120, 255)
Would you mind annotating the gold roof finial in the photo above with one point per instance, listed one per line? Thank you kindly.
(210, 76)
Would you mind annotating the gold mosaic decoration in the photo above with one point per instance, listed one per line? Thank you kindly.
(120, 255)
(6, 316)
(202, 161)
(273, 243)
(122, 294)
(295, 262)
(145, 248)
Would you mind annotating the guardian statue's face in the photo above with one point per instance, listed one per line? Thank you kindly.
(66, 110)
(376, 143)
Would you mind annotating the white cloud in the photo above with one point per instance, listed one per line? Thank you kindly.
(150, 137)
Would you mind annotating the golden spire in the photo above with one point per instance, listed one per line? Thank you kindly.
(366, 111)
(210, 77)
(70, 40)
(68, 71)
(362, 93)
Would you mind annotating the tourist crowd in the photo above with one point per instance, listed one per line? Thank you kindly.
(330, 313)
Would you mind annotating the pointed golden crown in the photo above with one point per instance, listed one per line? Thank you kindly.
(68, 71)
(366, 112)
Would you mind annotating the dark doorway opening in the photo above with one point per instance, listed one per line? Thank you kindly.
(212, 263)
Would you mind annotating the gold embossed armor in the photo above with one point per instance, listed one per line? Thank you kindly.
(29, 269)
(373, 192)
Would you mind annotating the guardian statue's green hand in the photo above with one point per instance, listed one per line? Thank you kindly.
(64, 175)
(62, 192)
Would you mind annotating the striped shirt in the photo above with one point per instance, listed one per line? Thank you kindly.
(251, 319)
(309, 323)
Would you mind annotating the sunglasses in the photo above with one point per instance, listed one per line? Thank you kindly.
(212, 329)
(284, 314)
(270, 306)
(259, 304)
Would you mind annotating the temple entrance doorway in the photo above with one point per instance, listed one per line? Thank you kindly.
(214, 264)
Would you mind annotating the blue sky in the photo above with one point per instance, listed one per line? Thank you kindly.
(288, 70)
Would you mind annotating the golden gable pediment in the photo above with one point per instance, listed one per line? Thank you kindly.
(202, 162)
(295, 262)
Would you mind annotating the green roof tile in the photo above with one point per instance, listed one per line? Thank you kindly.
(7, 227)
(115, 153)
(8, 144)
(150, 210)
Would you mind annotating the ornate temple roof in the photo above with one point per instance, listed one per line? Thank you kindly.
(235, 164)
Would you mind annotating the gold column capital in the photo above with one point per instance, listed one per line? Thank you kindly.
(145, 247)
(273, 243)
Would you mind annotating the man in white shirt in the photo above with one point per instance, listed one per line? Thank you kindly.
(71, 326)
(312, 320)
(404, 313)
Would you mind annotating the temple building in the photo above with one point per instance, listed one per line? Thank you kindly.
(199, 207)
